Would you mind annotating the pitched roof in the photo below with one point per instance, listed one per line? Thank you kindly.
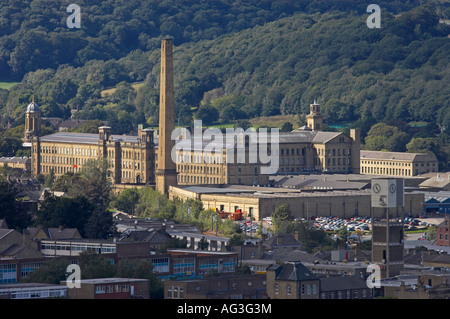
(15, 159)
(4, 232)
(282, 241)
(57, 233)
(334, 283)
(291, 256)
(398, 156)
(12, 250)
(437, 181)
(293, 271)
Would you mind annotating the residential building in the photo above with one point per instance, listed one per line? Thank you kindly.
(39, 233)
(217, 287)
(292, 280)
(431, 285)
(16, 245)
(345, 287)
(442, 233)
(20, 163)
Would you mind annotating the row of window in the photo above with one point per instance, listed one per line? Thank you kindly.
(63, 160)
(82, 151)
(384, 163)
(101, 248)
(199, 169)
(200, 159)
(305, 289)
(102, 289)
(349, 294)
(199, 179)
(386, 171)
(59, 169)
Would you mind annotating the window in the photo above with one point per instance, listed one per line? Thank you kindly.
(99, 289)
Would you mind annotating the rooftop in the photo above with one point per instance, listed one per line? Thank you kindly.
(84, 138)
(398, 156)
(293, 271)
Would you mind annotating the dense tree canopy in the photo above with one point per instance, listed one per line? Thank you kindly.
(234, 60)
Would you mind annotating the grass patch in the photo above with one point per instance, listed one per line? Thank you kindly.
(135, 86)
(7, 85)
(275, 121)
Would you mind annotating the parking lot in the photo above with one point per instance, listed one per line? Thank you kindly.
(360, 225)
(351, 224)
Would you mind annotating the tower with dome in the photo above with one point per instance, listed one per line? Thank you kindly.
(32, 122)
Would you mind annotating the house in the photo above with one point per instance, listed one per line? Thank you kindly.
(57, 233)
(222, 287)
(282, 243)
(344, 287)
(434, 284)
(16, 245)
(16, 162)
(291, 280)
(158, 238)
(442, 233)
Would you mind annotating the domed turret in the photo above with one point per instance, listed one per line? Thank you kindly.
(32, 108)
(32, 121)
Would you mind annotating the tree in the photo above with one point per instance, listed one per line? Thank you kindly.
(93, 183)
(203, 244)
(127, 200)
(66, 212)
(100, 225)
(382, 136)
(281, 214)
(422, 145)
(94, 265)
(207, 114)
(287, 127)
(8, 207)
(53, 271)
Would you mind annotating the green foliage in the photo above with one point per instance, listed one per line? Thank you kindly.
(126, 201)
(153, 204)
(242, 59)
(66, 212)
(386, 137)
(94, 265)
(312, 239)
(52, 272)
(93, 183)
(10, 210)
(287, 127)
(281, 214)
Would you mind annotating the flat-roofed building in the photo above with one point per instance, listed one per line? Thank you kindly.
(397, 163)
(32, 291)
(260, 202)
(111, 288)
